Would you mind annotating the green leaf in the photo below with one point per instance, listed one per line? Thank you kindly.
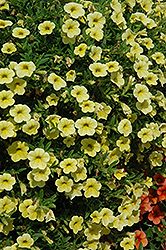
(140, 246)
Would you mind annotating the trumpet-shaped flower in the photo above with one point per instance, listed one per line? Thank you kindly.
(17, 86)
(80, 50)
(75, 223)
(31, 127)
(6, 99)
(34, 183)
(87, 106)
(5, 23)
(91, 188)
(18, 151)
(158, 57)
(106, 216)
(96, 217)
(41, 174)
(113, 66)
(52, 99)
(127, 243)
(86, 126)
(64, 184)
(38, 158)
(123, 143)
(75, 191)
(96, 33)
(95, 53)
(93, 232)
(129, 35)
(90, 146)
(141, 92)
(6, 205)
(8, 48)
(6, 75)
(25, 241)
(20, 33)
(151, 79)
(7, 182)
(96, 19)
(144, 106)
(25, 69)
(23, 207)
(79, 174)
(68, 165)
(145, 134)
(6, 129)
(148, 42)
(46, 28)
(57, 81)
(20, 113)
(125, 127)
(120, 221)
(80, 93)
(70, 27)
(156, 159)
(141, 68)
(71, 75)
(66, 126)
(98, 69)
(74, 9)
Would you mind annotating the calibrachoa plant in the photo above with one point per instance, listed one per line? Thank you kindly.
(83, 124)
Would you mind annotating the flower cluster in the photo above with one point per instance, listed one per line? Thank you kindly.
(83, 124)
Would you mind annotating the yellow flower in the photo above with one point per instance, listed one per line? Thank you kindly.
(129, 35)
(119, 173)
(38, 158)
(93, 232)
(117, 78)
(117, 16)
(127, 243)
(25, 69)
(50, 216)
(113, 66)
(66, 39)
(146, 5)
(64, 184)
(5, 23)
(52, 99)
(151, 23)
(96, 217)
(95, 53)
(80, 50)
(25, 241)
(6, 99)
(66, 126)
(79, 174)
(71, 75)
(4, 5)
(87, 106)
(138, 190)
(125, 127)
(90, 146)
(68, 165)
(141, 68)
(31, 127)
(86, 126)
(69, 141)
(156, 159)
(20, 112)
(6, 205)
(159, 58)
(96, 19)
(125, 209)
(46, 28)
(139, 16)
(91, 188)
(18, 151)
(75, 223)
(20, 33)
(6, 75)
(151, 79)
(80, 93)
(148, 42)
(93, 245)
(6, 129)
(120, 221)
(34, 183)
(141, 92)
(144, 106)
(70, 27)
(57, 81)
(74, 9)
(75, 191)
(107, 216)
(96, 33)
(23, 207)
(41, 174)
(8, 48)
(102, 110)
(98, 69)
(7, 182)
(115, 5)
(113, 155)
(145, 134)
(17, 86)
(123, 143)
